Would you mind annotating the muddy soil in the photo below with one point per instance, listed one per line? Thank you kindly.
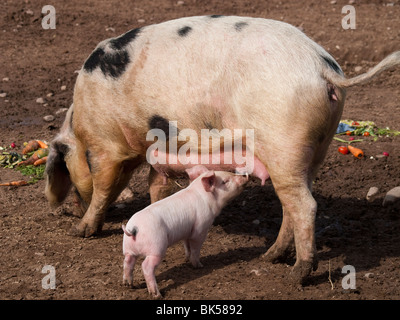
(38, 63)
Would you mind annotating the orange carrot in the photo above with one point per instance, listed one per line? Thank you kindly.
(358, 153)
(31, 160)
(14, 183)
(39, 154)
(42, 144)
(40, 161)
(31, 146)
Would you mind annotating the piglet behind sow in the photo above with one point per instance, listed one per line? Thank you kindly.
(186, 215)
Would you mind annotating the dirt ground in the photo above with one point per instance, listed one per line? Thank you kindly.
(350, 230)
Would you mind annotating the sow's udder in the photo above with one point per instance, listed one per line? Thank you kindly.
(171, 164)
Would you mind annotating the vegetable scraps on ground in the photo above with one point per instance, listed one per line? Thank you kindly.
(364, 128)
(30, 162)
(357, 152)
(14, 183)
(360, 128)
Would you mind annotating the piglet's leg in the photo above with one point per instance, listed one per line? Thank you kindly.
(187, 248)
(194, 250)
(129, 264)
(148, 266)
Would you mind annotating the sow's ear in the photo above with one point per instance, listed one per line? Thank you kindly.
(196, 171)
(58, 181)
(208, 181)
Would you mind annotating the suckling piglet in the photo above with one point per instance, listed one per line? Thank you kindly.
(186, 215)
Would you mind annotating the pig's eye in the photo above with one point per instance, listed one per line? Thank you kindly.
(224, 181)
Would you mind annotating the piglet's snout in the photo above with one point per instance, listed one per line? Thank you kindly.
(240, 173)
(241, 179)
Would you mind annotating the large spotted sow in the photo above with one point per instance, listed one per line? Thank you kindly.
(203, 73)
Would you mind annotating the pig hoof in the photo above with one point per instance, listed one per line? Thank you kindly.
(198, 265)
(76, 232)
(301, 271)
(84, 231)
(127, 283)
(275, 255)
(156, 296)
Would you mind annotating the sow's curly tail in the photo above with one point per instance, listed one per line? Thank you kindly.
(342, 82)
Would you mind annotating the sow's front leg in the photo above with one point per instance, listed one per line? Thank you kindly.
(110, 176)
(160, 186)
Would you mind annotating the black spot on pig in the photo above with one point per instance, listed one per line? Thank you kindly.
(88, 159)
(94, 60)
(240, 25)
(158, 122)
(214, 16)
(183, 32)
(332, 64)
(135, 231)
(111, 63)
(208, 125)
(114, 64)
(123, 40)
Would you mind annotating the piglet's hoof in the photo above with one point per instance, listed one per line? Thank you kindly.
(195, 263)
(127, 283)
(157, 296)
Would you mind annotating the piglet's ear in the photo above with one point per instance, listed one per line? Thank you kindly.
(196, 171)
(208, 181)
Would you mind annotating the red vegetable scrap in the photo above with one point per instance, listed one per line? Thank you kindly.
(343, 150)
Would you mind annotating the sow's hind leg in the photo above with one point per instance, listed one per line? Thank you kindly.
(291, 182)
(292, 177)
(292, 171)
